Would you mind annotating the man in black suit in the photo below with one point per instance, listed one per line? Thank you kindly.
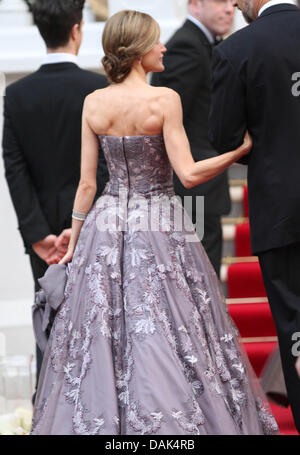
(188, 71)
(256, 88)
(42, 137)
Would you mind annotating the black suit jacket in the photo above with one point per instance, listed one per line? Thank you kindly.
(188, 71)
(252, 89)
(42, 146)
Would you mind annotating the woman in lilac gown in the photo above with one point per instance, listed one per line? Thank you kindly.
(142, 342)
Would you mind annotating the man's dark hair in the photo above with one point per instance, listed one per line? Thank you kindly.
(56, 18)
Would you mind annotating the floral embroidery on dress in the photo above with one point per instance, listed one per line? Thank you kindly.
(190, 424)
(143, 424)
(267, 419)
(144, 334)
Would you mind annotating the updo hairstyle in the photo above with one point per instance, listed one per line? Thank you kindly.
(127, 36)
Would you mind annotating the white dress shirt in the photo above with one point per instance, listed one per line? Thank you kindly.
(273, 3)
(60, 57)
(202, 27)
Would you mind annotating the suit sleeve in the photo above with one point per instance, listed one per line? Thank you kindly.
(32, 222)
(183, 73)
(227, 120)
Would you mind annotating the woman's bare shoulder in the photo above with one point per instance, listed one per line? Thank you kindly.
(164, 91)
(168, 98)
(100, 93)
(96, 99)
(165, 94)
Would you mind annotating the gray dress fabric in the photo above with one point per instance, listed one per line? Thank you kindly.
(142, 342)
(47, 302)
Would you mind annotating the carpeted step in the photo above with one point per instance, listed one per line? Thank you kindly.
(258, 353)
(244, 279)
(253, 319)
(242, 240)
(284, 419)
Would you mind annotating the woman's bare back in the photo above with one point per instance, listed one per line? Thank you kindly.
(121, 110)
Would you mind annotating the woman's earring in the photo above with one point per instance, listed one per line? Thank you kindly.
(140, 60)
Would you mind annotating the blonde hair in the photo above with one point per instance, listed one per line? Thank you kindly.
(127, 35)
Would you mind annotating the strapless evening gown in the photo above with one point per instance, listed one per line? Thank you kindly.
(143, 343)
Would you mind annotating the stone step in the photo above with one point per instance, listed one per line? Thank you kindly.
(237, 198)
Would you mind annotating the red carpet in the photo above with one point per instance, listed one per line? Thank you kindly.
(254, 320)
(242, 240)
(258, 353)
(284, 419)
(245, 280)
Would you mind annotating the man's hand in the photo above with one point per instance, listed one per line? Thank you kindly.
(62, 241)
(62, 244)
(52, 248)
(46, 249)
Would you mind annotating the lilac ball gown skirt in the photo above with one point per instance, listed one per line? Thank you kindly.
(142, 343)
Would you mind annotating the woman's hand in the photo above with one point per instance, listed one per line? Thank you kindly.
(246, 147)
(62, 242)
(67, 257)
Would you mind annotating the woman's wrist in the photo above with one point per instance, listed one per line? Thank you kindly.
(79, 215)
(71, 247)
(242, 151)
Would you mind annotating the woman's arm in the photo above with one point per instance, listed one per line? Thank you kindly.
(88, 184)
(189, 172)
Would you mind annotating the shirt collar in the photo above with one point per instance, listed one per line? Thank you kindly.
(273, 3)
(60, 57)
(202, 27)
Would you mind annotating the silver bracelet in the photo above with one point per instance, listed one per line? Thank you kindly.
(79, 216)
